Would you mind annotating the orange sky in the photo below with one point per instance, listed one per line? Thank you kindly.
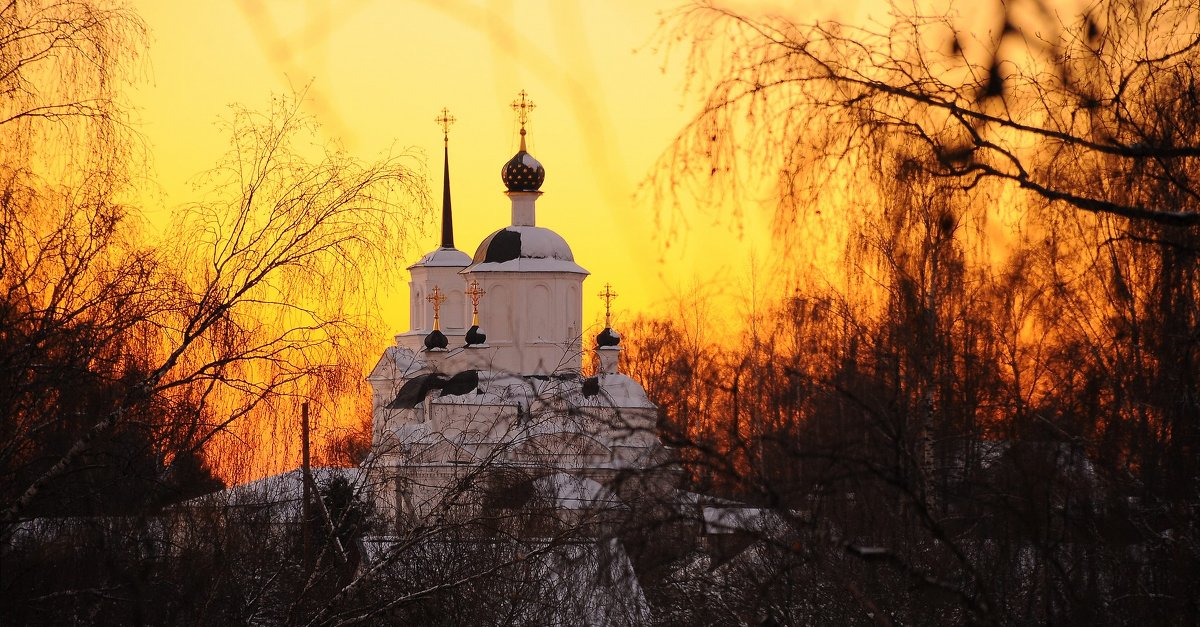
(607, 106)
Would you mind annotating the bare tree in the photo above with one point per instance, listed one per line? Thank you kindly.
(1032, 97)
(112, 341)
(953, 435)
(244, 306)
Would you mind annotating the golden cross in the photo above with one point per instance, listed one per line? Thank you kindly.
(523, 107)
(437, 298)
(445, 120)
(475, 292)
(608, 295)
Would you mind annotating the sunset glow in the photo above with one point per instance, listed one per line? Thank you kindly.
(609, 101)
(641, 312)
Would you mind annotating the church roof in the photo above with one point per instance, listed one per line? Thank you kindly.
(525, 249)
(443, 258)
(572, 492)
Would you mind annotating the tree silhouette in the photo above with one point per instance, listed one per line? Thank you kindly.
(1100, 93)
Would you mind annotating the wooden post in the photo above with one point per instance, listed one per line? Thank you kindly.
(306, 478)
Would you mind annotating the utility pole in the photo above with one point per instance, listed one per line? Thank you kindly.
(306, 478)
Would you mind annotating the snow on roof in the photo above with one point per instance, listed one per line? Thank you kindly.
(281, 493)
(578, 583)
(396, 363)
(521, 248)
(493, 388)
(731, 519)
(443, 258)
(497, 388)
(617, 390)
(596, 585)
(522, 264)
(571, 492)
(764, 522)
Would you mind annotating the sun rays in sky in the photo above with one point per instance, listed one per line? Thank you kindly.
(377, 73)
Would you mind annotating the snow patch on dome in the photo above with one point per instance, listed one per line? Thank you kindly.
(542, 243)
(525, 249)
(443, 258)
(530, 265)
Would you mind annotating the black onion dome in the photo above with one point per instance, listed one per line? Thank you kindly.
(523, 173)
(608, 337)
(436, 339)
(474, 336)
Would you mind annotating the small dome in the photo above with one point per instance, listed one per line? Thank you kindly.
(523, 173)
(608, 337)
(523, 242)
(436, 340)
(475, 337)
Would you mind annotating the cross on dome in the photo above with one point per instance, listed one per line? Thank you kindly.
(608, 338)
(523, 173)
(474, 292)
(523, 107)
(437, 298)
(608, 295)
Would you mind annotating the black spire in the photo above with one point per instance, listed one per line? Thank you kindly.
(447, 219)
(445, 119)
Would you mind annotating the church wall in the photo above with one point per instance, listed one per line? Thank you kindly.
(540, 315)
(574, 313)
(416, 313)
(480, 421)
(533, 319)
(494, 314)
(451, 284)
(532, 314)
(453, 312)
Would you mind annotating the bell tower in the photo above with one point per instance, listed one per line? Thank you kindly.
(438, 271)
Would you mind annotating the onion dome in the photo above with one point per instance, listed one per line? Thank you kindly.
(608, 337)
(523, 173)
(436, 340)
(474, 336)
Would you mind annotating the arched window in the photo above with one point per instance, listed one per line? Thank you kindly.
(418, 311)
(454, 311)
(541, 314)
(496, 316)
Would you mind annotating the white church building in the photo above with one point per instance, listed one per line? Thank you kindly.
(457, 405)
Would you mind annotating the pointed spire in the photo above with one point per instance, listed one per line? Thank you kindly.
(445, 120)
